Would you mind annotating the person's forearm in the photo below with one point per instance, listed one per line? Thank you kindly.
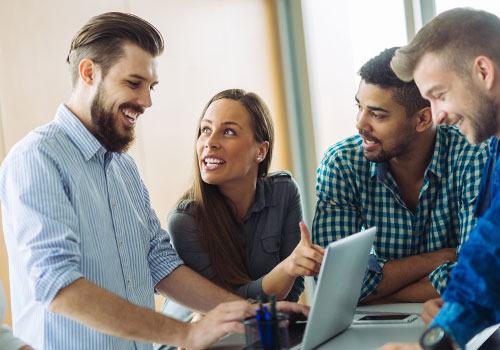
(418, 292)
(192, 290)
(97, 308)
(400, 273)
(277, 281)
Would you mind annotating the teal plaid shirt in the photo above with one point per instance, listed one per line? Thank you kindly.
(354, 193)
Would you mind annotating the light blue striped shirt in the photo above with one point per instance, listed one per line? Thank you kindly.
(70, 210)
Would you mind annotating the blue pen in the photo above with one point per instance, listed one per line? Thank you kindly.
(270, 340)
(259, 316)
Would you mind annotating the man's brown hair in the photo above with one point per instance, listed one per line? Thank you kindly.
(102, 38)
(458, 36)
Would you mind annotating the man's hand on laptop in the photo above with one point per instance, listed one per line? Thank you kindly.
(293, 309)
(223, 319)
(227, 318)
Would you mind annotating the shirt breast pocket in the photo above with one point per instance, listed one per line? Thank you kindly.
(271, 251)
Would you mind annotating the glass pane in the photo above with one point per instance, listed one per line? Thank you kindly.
(486, 5)
(341, 36)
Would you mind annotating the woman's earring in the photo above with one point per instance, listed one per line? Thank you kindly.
(259, 159)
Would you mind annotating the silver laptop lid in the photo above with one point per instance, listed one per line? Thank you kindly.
(338, 288)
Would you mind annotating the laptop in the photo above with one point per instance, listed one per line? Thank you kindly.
(338, 288)
(336, 294)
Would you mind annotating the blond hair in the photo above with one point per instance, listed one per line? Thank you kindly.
(458, 36)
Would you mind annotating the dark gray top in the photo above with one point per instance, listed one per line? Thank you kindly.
(272, 233)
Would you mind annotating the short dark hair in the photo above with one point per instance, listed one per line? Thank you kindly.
(377, 71)
(102, 38)
(458, 36)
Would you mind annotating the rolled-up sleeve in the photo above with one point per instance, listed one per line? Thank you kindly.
(43, 221)
(162, 257)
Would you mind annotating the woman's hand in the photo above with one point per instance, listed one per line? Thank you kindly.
(306, 258)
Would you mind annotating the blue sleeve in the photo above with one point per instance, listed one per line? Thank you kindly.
(473, 294)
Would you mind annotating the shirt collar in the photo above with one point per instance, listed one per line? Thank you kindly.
(379, 170)
(83, 139)
(483, 200)
(438, 160)
(263, 197)
(493, 144)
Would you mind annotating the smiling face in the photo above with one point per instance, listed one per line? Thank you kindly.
(456, 100)
(227, 150)
(382, 123)
(122, 96)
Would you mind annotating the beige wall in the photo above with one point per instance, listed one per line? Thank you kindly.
(211, 45)
(4, 272)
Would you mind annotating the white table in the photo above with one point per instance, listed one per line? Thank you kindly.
(371, 336)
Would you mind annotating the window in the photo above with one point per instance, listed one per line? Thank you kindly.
(340, 37)
(486, 5)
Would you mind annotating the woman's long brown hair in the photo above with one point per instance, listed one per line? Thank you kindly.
(218, 228)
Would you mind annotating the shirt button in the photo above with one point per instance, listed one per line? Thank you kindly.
(113, 205)
(128, 282)
(121, 243)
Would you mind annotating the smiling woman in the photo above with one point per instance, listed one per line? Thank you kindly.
(237, 224)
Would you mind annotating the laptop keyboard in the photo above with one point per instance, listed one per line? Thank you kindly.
(296, 333)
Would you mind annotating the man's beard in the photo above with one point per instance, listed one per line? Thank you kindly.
(384, 156)
(483, 119)
(104, 122)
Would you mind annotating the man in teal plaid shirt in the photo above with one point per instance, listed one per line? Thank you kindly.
(415, 181)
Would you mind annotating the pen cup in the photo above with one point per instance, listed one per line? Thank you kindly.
(266, 334)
